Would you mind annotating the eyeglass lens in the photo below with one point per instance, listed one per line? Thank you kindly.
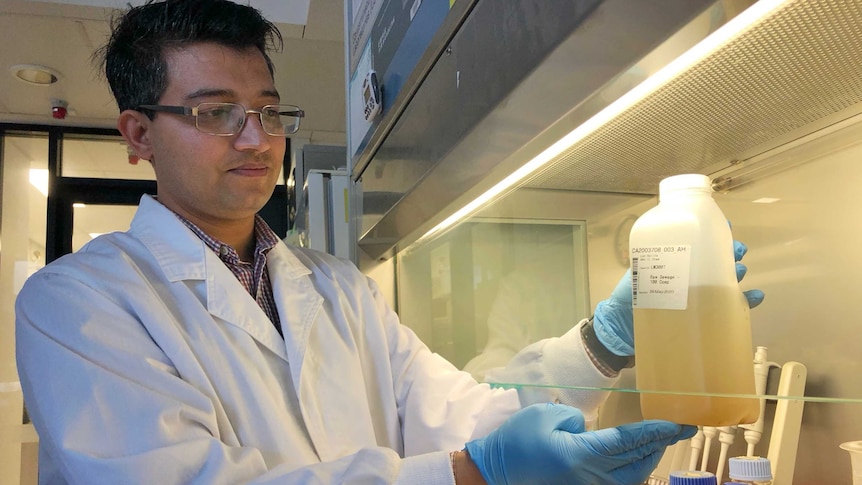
(229, 118)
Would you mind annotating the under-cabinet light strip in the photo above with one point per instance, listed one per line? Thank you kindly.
(701, 50)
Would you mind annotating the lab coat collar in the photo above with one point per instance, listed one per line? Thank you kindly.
(184, 256)
(180, 252)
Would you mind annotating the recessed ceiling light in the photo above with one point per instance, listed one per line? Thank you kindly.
(34, 74)
(766, 200)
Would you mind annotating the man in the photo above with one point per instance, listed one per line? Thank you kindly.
(198, 348)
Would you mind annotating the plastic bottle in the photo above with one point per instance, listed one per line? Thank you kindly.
(750, 470)
(692, 478)
(692, 326)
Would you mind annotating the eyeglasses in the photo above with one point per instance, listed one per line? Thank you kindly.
(225, 119)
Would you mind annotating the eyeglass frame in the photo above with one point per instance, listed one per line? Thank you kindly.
(298, 113)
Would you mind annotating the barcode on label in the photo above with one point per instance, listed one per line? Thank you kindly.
(634, 281)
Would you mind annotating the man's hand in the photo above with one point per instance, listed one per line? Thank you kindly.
(547, 443)
(613, 321)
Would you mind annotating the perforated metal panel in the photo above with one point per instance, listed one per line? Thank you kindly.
(796, 67)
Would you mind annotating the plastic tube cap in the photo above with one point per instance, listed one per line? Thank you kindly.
(692, 477)
(751, 468)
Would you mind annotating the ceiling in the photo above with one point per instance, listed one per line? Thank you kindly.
(62, 35)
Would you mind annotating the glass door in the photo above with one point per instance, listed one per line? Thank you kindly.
(24, 176)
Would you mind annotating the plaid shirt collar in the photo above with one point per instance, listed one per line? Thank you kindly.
(253, 276)
(265, 239)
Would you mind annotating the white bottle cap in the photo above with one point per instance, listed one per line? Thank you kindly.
(752, 468)
(688, 181)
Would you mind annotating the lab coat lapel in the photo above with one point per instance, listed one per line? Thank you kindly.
(228, 300)
(184, 257)
(323, 365)
(298, 304)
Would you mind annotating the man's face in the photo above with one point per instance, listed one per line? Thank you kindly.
(206, 178)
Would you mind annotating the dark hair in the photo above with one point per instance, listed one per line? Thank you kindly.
(134, 61)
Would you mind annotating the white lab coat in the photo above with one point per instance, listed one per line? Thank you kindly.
(144, 360)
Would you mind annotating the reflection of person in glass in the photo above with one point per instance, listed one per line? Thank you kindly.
(533, 301)
(198, 348)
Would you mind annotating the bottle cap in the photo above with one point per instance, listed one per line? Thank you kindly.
(692, 477)
(688, 182)
(750, 468)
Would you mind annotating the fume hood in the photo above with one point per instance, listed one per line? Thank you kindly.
(501, 82)
(510, 160)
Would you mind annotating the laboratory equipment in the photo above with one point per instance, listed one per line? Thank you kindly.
(855, 450)
(783, 439)
(754, 431)
(692, 478)
(750, 470)
(692, 329)
(328, 217)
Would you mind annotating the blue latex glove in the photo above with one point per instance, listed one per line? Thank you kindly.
(613, 320)
(547, 443)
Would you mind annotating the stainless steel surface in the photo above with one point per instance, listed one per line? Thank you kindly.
(513, 70)
(793, 74)
(457, 14)
(776, 82)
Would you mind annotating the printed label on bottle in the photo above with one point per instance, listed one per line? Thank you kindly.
(660, 276)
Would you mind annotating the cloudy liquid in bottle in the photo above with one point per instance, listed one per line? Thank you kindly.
(682, 354)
